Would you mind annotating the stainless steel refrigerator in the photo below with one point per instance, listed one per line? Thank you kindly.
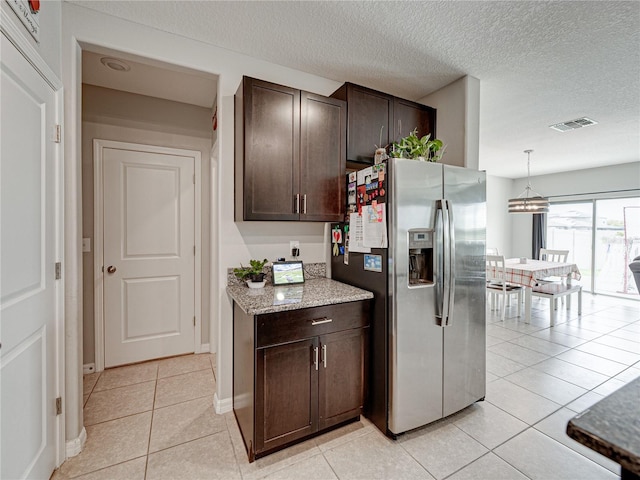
(427, 355)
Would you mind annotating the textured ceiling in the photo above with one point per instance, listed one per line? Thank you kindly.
(538, 62)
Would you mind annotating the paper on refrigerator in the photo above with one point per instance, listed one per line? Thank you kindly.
(374, 226)
(355, 234)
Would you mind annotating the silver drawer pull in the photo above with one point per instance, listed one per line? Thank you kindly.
(324, 320)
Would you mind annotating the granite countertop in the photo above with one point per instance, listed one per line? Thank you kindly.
(313, 293)
(612, 427)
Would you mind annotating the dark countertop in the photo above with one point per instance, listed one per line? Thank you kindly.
(612, 427)
(313, 293)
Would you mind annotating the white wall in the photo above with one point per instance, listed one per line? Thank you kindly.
(126, 117)
(237, 242)
(568, 184)
(458, 121)
(498, 219)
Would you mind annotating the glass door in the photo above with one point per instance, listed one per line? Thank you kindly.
(617, 242)
(603, 237)
(570, 227)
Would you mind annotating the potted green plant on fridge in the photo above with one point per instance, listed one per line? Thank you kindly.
(253, 274)
(418, 148)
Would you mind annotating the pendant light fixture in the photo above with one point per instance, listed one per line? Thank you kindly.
(529, 201)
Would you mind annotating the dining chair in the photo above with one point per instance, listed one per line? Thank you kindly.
(490, 251)
(554, 291)
(496, 285)
(550, 255)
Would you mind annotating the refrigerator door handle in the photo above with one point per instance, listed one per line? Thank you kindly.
(451, 260)
(447, 263)
(437, 265)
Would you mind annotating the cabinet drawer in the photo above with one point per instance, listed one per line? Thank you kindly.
(281, 327)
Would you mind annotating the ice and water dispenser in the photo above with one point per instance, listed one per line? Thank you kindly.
(421, 257)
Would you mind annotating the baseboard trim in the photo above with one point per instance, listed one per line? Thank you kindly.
(88, 368)
(74, 447)
(222, 406)
(204, 348)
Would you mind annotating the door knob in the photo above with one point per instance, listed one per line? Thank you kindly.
(111, 269)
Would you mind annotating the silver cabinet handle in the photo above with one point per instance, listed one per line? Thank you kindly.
(320, 322)
(304, 204)
(315, 357)
(297, 203)
(324, 356)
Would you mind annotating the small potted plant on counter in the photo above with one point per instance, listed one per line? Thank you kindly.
(253, 275)
(416, 148)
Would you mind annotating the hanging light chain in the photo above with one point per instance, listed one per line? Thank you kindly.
(524, 203)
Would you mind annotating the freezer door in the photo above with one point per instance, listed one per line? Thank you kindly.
(415, 343)
(464, 377)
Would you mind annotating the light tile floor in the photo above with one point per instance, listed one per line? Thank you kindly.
(156, 420)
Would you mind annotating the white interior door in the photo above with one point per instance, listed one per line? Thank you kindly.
(27, 258)
(149, 252)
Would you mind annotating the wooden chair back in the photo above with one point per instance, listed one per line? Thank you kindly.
(496, 284)
(550, 255)
(495, 268)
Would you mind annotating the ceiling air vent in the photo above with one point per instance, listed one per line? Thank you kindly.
(573, 124)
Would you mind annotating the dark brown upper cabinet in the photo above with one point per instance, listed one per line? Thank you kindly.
(289, 154)
(409, 115)
(369, 110)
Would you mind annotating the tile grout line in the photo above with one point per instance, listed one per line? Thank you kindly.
(233, 447)
(575, 451)
(187, 372)
(416, 460)
(155, 392)
(636, 365)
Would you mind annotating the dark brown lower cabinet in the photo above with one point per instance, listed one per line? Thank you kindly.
(340, 379)
(286, 394)
(298, 373)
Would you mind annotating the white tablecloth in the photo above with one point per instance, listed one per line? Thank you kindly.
(529, 273)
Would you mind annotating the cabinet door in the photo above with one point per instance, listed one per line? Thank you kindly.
(271, 144)
(322, 158)
(369, 110)
(409, 115)
(341, 380)
(286, 393)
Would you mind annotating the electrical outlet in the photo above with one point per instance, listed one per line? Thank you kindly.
(294, 244)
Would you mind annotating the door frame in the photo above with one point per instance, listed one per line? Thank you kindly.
(98, 237)
(13, 33)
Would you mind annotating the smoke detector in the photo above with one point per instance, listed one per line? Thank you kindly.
(115, 64)
(573, 124)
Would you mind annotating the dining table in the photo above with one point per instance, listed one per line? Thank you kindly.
(528, 272)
